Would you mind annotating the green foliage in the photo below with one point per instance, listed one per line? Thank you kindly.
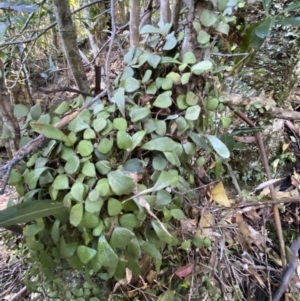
(98, 167)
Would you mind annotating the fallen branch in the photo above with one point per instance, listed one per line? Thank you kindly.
(40, 141)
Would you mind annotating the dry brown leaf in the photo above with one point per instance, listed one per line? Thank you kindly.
(243, 227)
(189, 225)
(128, 275)
(205, 225)
(285, 146)
(248, 139)
(151, 276)
(249, 234)
(219, 195)
(184, 271)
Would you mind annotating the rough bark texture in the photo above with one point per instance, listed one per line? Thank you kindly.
(68, 36)
(134, 23)
(175, 13)
(10, 126)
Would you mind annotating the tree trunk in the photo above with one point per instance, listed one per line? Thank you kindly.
(10, 127)
(134, 23)
(165, 13)
(68, 37)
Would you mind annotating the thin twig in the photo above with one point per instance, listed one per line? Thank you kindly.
(234, 181)
(112, 40)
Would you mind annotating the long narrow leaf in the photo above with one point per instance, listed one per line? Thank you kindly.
(29, 211)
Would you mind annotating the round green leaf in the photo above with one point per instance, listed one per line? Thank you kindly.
(128, 221)
(202, 67)
(106, 255)
(85, 148)
(86, 254)
(223, 28)
(177, 214)
(120, 238)
(94, 206)
(189, 58)
(191, 98)
(171, 42)
(20, 111)
(94, 195)
(225, 121)
(120, 183)
(72, 164)
(89, 220)
(114, 207)
(89, 170)
(175, 77)
(131, 84)
(120, 124)
(103, 167)
(61, 182)
(185, 78)
(138, 113)
(105, 146)
(181, 102)
(89, 134)
(124, 140)
(153, 60)
(31, 230)
(203, 37)
(99, 124)
(77, 191)
(208, 18)
(163, 101)
(76, 214)
(192, 113)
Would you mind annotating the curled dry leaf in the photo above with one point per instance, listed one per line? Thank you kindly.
(128, 275)
(184, 271)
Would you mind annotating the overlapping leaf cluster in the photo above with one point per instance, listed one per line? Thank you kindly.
(121, 170)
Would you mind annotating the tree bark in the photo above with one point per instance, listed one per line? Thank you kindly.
(134, 23)
(68, 37)
(175, 13)
(165, 13)
(10, 127)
